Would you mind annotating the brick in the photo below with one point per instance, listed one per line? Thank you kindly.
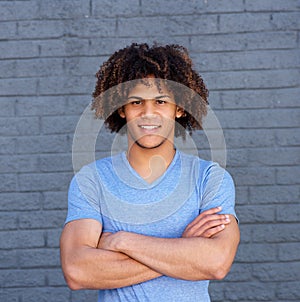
(274, 194)
(76, 105)
(25, 278)
(249, 138)
(290, 213)
(55, 277)
(55, 200)
(22, 239)
(36, 67)
(21, 86)
(43, 144)
(256, 213)
(52, 47)
(288, 137)
(40, 29)
(91, 28)
(266, 176)
(19, 201)
(286, 271)
(39, 258)
(243, 99)
(19, 126)
(251, 79)
(7, 107)
(275, 156)
(59, 124)
(14, 164)
(288, 290)
(278, 5)
(240, 272)
(259, 118)
(288, 175)
(251, 291)
(276, 233)
(10, 294)
(83, 65)
(246, 233)
(64, 9)
(108, 8)
(55, 163)
(258, 22)
(8, 182)
(41, 220)
(8, 259)
(288, 251)
(8, 30)
(245, 41)
(18, 49)
(85, 295)
(14, 10)
(255, 253)
(247, 60)
(8, 221)
(67, 85)
(44, 181)
(53, 236)
(33, 106)
(46, 294)
(167, 25)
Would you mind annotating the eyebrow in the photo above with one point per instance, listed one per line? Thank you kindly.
(155, 98)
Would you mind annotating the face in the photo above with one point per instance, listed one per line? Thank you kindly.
(150, 115)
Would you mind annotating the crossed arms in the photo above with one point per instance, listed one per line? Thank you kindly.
(94, 260)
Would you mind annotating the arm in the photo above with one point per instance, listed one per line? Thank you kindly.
(193, 258)
(85, 266)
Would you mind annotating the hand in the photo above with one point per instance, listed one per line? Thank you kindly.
(105, 241)
(207, 224)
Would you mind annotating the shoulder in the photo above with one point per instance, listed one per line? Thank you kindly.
(206, 170)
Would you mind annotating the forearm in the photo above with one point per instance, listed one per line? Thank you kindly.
(194, 258)
(178, 258)
(92, 268)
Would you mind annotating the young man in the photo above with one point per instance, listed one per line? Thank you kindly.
(151, 223)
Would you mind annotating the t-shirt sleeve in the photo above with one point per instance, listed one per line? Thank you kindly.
(83, 196)
(218, 190)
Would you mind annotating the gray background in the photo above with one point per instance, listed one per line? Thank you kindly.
(248, 54)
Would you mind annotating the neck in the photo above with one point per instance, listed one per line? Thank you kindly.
(150, 164)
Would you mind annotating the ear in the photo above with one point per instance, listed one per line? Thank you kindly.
(121, 112)
(179, 112)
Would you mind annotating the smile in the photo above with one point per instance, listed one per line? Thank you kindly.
(149, 127)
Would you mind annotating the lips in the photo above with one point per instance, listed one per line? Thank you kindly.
(149, 127)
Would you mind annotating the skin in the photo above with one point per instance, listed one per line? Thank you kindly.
(96, 260)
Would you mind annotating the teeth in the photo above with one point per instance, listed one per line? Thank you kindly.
(149, 127)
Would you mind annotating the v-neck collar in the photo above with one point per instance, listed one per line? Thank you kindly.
(129, 175)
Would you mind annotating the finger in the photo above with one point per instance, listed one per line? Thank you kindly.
(203, 226)
(207, 219)
(205, 213)
(213, 231)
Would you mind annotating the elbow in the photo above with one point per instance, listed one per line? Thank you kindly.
(221, 267)
(220, 273)
(71, 275)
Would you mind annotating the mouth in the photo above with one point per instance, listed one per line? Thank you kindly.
(149, 127)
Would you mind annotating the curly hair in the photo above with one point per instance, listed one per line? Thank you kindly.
(169, 64)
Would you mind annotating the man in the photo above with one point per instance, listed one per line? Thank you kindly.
(151, 223)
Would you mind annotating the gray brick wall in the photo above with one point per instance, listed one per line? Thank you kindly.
(248, 53)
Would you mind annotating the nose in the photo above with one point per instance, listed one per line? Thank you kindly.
(148, 108)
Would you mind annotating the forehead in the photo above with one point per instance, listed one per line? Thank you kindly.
(149, 88)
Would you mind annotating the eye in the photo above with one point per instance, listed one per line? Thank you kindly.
(136, 102)
(160, 102)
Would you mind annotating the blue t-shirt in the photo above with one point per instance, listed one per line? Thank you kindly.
(110, 191)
